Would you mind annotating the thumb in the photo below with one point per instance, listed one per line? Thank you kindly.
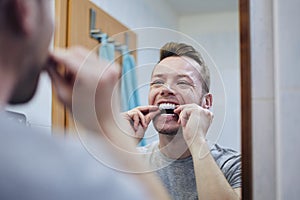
(62, 88)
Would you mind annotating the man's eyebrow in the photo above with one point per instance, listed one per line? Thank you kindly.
(157, 75)
(185, 76)
(178, 76)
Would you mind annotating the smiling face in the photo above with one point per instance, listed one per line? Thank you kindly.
(175, 80)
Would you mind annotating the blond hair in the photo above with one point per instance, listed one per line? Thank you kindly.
(182, 49)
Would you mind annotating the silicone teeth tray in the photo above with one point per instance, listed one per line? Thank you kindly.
(167, 108)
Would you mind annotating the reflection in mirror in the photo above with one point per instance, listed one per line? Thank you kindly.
(215, 27)
(171, 154)
(212, 29)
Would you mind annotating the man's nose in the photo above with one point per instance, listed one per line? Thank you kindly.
(167, 90)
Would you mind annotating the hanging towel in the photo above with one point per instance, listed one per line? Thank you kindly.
(129, 90)
(107, 50)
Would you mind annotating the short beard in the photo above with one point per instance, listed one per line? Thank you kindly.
(168, 132)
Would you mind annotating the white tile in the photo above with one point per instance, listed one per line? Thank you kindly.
(263, 149)
(262, 60)
(287, 40)
(262, 81)
(289, 139)
(289, 111)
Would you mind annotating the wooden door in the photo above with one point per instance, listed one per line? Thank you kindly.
(73, 28)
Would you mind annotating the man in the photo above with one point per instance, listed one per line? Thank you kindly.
(179, 101)
(34, 165)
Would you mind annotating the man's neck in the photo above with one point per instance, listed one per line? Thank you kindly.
(174, 146)
(7, 82)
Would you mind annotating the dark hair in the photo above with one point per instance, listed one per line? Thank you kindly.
(180, 49)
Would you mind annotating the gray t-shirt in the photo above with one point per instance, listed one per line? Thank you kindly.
(35, 165)
(178, 176)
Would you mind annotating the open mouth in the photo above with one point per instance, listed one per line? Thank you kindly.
(167, 108)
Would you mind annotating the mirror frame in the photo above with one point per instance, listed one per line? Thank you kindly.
(246, 107)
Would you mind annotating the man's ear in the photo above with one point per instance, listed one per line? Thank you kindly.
(207, 101)
(23, 14)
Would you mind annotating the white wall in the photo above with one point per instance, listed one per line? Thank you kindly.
(140, 13)
(263, 115)
(287, 93)
(218, 33)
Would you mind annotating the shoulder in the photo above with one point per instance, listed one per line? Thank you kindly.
(224, 156)
(229, 161)
(65, 168)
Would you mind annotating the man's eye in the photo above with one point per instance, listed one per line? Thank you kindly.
(183, 83)
(157, 83)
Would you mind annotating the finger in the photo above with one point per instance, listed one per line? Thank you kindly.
(55, 76)
(147, 109)
(136, 122)
(142, 119)
(140, 132)
(151, 116)
(144, 111)
(178, 109)
(72, 58)
(179, 120)
(62, 88)
(184, 117)
(136, 116)
(64, 57)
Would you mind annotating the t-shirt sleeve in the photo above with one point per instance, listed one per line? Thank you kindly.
(233, 171)
(229, 162)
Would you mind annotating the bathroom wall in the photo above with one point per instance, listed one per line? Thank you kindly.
(275, 61)
(140, 13)
(218, 33)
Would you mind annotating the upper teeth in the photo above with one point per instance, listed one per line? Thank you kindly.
(164, 106)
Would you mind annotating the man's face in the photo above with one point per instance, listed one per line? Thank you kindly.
(36, 52)
(175, 80)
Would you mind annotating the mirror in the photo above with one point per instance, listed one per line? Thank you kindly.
(213, 27)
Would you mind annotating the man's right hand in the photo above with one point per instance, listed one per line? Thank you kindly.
(139, 119)
(87, 88)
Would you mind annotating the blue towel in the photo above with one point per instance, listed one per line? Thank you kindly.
(107, 50)
(129, 89)
(130, 96)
